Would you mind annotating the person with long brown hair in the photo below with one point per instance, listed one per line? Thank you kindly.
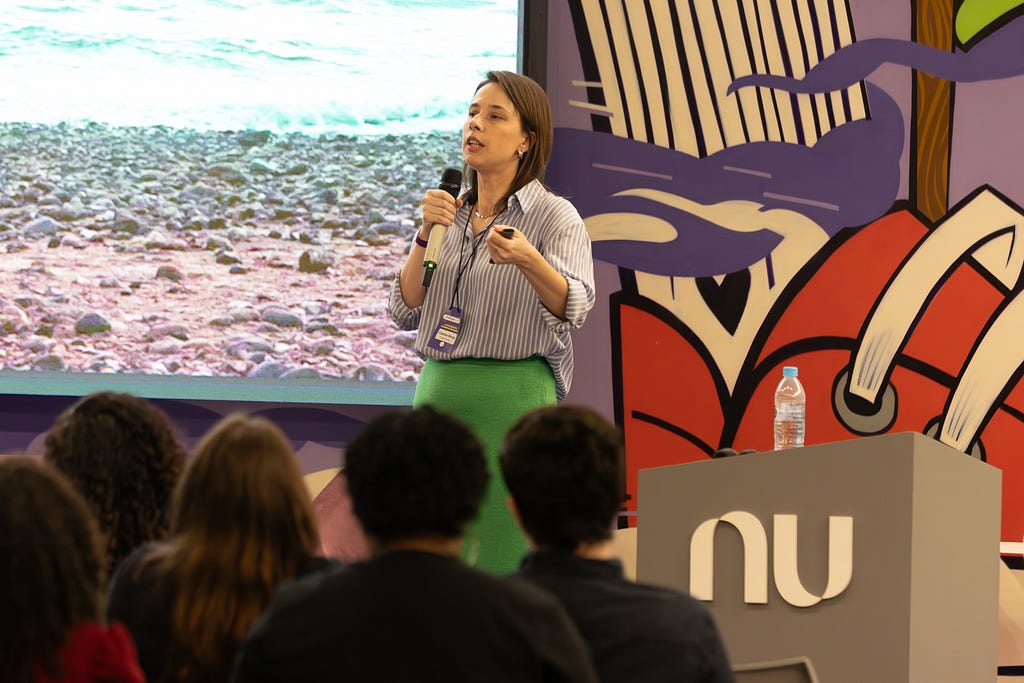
(241, 523)
(514, 278)
(52, 573)
(122, 454)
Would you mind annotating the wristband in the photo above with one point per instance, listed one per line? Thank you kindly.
(420, 241)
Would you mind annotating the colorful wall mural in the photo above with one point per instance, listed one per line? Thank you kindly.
(831, 184)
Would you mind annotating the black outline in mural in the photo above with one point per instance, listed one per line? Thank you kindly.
(588, 63)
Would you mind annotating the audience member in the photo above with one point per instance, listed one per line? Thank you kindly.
(564, 469)
(241, 523)
(414, 611)
(122, 454)
(52, 573)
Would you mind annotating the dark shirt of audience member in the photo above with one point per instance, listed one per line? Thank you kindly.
(564, 469)
(122, 454)
(242, 522)
(52, 576)
(413, 611)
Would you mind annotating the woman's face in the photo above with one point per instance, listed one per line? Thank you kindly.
(492, 135)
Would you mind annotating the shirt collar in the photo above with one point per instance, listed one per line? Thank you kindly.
(527, 196)
(562, 562)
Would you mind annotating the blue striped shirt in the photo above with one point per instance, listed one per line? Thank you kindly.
(502, 315)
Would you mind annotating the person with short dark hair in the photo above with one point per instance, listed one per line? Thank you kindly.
(413, 611)
(52, 569)
(122, 454)
(241, 524)
(564, 468)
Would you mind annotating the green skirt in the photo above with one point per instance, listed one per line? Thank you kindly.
(489, 396)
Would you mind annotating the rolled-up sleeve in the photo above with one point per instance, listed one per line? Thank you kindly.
(406, 318)
(569, 252)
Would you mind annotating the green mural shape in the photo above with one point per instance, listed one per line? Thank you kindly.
(975, 15)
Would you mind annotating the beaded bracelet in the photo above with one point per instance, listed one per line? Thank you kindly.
(420, 241)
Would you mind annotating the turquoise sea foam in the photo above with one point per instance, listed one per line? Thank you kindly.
(348, 66)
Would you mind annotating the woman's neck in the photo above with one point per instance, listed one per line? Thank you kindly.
(490, 193)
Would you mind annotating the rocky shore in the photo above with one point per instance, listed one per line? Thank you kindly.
(170, 251)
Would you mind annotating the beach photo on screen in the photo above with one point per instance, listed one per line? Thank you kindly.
(210, 198)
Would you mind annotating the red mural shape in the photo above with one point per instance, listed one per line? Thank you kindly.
(815, 326)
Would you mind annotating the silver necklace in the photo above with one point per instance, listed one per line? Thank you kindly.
(483, 217)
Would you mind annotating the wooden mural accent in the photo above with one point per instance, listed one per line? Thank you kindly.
(933, 114)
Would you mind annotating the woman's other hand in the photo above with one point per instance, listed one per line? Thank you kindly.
(508, 245)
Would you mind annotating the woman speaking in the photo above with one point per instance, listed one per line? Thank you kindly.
(514, 276)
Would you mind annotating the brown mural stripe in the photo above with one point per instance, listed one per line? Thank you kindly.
(933, 114)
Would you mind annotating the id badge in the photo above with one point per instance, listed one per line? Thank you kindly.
(446, 334)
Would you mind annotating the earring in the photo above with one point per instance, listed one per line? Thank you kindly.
(521, 152)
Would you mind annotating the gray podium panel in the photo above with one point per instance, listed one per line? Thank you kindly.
(874, 559)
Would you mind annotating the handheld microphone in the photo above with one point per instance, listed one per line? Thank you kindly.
(451, 182)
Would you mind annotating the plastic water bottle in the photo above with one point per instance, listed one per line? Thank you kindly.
(790, 411)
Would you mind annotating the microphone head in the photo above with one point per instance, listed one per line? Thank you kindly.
(451, 181)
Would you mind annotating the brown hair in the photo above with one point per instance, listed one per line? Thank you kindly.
(51, 566)
(531, 103)
(242, 522)
(121, 452)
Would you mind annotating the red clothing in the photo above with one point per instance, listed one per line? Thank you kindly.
(98, 654)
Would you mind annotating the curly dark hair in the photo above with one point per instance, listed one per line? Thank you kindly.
(564, 467)
(51, 566)
(122, 454)
(415, 474)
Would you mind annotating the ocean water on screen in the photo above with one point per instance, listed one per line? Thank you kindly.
(310, 66)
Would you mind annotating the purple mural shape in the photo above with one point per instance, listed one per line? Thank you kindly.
(848, 178)
(1000, 55)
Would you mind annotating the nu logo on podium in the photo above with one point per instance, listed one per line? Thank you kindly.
(784, 558)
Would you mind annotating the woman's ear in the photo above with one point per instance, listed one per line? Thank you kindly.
(527, 142)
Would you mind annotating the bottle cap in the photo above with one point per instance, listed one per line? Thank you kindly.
(789, 371)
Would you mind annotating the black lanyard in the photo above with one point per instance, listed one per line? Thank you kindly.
(477, 239)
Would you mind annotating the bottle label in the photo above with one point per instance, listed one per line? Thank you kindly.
(790, 411)
(789, 425)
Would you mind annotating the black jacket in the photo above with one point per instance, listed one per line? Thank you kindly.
(636, 632)
(413, 616)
